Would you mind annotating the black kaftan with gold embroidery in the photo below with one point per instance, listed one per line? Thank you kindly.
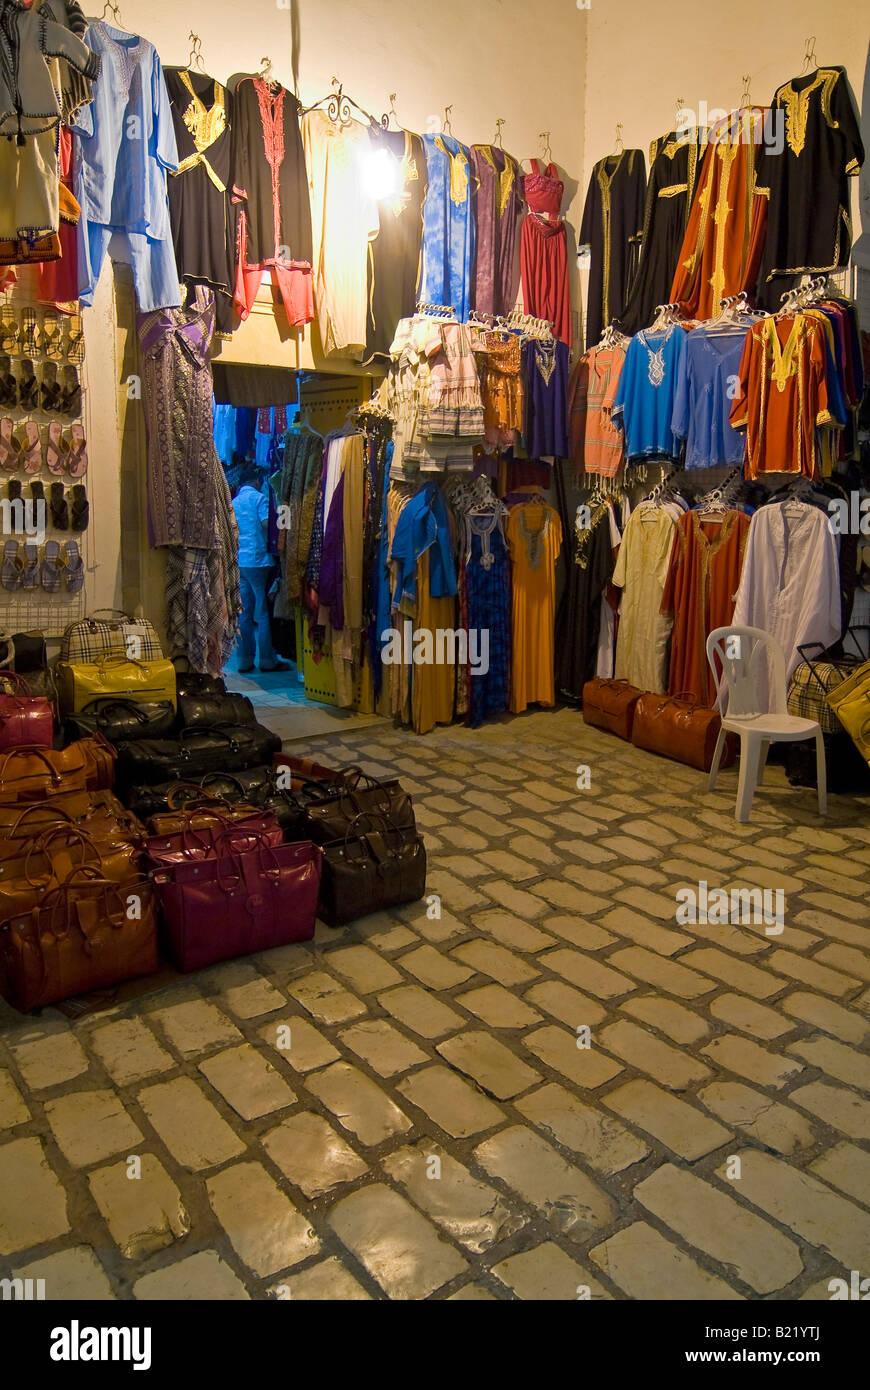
(612, 222)
(812, 147)
(203, 216)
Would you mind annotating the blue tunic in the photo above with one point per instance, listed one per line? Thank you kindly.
(644, 403)
(448, 226)
(707, 384)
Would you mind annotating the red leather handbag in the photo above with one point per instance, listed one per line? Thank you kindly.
(234, 905)
(211, 841)
(24, 718)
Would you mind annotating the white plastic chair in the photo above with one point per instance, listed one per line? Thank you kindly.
(737, 655)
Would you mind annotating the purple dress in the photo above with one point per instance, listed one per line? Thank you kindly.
(499, 206)
(545, 399)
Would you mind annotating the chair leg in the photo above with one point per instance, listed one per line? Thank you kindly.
(762, 760)
(821, 773)
(750, 749)
(717, 758)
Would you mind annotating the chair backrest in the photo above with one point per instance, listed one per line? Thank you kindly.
(746, 661)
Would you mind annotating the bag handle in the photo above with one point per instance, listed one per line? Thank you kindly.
(222, 777)
(198, 730)
(19, 686)
(29, 750)
(56, 811)
(86, 875)
(42, 843)
(114, 613)
(175, 791)
(107, 702)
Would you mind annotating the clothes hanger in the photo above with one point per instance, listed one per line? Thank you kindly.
(391, 114)
(194, 61)
(618, 148)
(810, 59)
(116, 14)
(265, 75)
(497, 140)
(446, 127)
(338, 105)
(544, 137)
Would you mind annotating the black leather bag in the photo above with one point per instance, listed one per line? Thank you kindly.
(204, 711)
(364, 807)
(193, 683)
(245, 785)
(121, 720)
(195, 753)
(365, 873)
(290, 807)
(30, 653)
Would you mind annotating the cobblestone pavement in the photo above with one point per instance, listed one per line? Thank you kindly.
(433, 1128)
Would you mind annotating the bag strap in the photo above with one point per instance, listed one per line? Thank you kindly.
(56, 811)
(198, 730)
(29, 750)
(107, 702)
(177, 788)
(19, 686)
(222, 777)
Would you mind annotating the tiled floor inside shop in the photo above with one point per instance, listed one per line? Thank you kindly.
(401, 1109)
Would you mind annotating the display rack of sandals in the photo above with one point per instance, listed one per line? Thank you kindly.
(44, 506)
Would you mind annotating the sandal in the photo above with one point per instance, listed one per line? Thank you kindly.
(8, 383)
(77, 462)
(37, 492)
(28, 386)
(10, 449)
(29, 336)
(8, 330)
(12, 570)
(80, 512)
(71, 396)
(51, 335)
(30, 573)
(59, 508)
(49, 391)
(52, 568)
(57, 448)
(74, 342)
(75, 568)
(13, 488)
(31, 453)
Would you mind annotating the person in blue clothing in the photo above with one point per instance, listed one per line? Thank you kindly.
(256, 569)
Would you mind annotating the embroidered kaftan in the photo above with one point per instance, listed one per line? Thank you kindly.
(644, 403)
(641, 572)
(449, 230)
(612, 223)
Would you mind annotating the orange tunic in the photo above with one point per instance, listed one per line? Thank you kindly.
(534, 536)
(782, 395)
(703, 578)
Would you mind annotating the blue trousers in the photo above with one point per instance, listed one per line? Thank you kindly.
(254, 622)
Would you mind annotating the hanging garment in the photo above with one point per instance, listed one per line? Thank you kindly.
(706, 388)
(433, 393)
(782, 395)
(641, 572)
(544, 251)
(789, 542)
(545, 398)
(59, 279)
(498, 208)
(30, 207)
(644, 403)
(204, 216)
(596, 443)
(578, 621)
(534, 537)
(500, 361)
(303, 468)
(203, 594)
(674, 160)
(812, 123)
(397, 162)
(703, 578)
(612, 223)
(721, 251)
(344, 219)
(30, 35)
(270, 183)
(487, 587)
(449, 229)
(425, 587)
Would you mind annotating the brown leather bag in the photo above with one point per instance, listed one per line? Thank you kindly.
(31, 868)
(100, 758)
(99, 813)
(86, 934)
(33, 773)
(610, 705)
(681, 729)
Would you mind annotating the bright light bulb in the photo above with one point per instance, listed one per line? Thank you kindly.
(381, 174)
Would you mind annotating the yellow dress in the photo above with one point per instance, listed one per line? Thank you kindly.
(432, 686)
(534, 537)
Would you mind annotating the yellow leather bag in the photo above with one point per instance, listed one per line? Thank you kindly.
(79, 682)
(851, 703)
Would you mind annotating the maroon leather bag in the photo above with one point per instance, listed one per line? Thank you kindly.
(210, 841)
(237, 904)
(24, 718)
(610, 705)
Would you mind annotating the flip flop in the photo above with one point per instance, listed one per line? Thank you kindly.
(31, 453)
(74, 342)
(52, 568)
(59, 508)
(71, 394)
(13, 488)
(49, 391)
(10, 448)
(75, 567)
(51, 335)
(28, 386)
(8, 383)
(77, 462)
(29, 335)
(80, 512)
(30, 575)
(57, 449)
(12, 570)
(8, 330)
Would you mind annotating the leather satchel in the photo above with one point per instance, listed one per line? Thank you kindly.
(197, 683)
(364, 873)
(24, 718)
(100, 758)
(237, 904)
(81, 682)
(109, 632)
(33, 773)
(204, 711)
(86, 934)
(364, 808)
(610, 705)
(30, 652)
(29, 870)
(100, 814)
(118, 719)
(195, 753)
(680, 729)
(147, 801)
(209, 835)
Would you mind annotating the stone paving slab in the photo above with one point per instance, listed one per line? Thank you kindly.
(539, 1083)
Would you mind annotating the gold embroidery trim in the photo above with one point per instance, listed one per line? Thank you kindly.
(673, 189)
(205, 125)
(458, 173)
(797, 107)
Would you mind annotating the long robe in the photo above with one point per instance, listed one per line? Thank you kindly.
(534, 537)
(703, 578)
(394, 255)
(782, 395)
(612, 222)
(641, 572)
(589, 567)
(721, 251)
(674, 161)
(498, 208)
